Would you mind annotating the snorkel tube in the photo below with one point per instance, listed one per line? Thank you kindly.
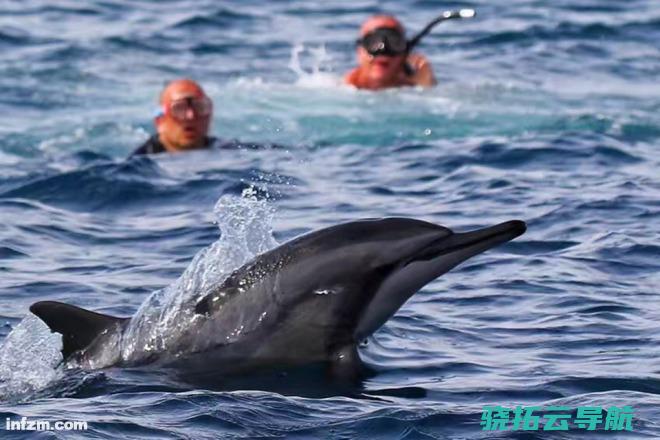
(447, 15)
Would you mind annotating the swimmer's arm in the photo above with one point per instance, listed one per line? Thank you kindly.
(423, 72)
(351, 77)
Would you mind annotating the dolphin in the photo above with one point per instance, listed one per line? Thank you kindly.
(311, 300)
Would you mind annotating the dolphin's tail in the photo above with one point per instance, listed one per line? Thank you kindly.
(78, 327)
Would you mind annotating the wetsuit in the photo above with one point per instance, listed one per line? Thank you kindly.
(154, 146)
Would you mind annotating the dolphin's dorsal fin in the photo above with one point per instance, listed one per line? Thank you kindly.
(78, 327)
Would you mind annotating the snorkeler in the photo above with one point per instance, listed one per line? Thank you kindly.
(385, 56)
(183, 119)
(182, 123)
(384, 59)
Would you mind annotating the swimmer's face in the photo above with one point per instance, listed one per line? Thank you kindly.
(381, 67)
(186, 117)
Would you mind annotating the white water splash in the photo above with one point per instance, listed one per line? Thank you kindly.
(246, 225)
(319, 75)
(30, 355)
(28, 358)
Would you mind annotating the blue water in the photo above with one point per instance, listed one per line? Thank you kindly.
(547, 111)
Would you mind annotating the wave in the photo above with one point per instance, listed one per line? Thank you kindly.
(110, 185)
(635, 30)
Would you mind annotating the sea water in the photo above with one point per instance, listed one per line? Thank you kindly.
(544, 111)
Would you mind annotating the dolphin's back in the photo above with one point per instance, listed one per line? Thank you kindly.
(306, 297)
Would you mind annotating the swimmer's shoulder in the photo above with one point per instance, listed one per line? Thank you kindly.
(150, 146)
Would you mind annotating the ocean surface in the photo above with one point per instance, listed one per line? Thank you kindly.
(546, 111)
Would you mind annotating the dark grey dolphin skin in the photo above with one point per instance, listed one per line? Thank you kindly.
(310, 300)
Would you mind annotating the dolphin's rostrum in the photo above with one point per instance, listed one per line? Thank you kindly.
(312, 299)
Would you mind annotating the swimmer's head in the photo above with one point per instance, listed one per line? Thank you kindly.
(184, 117)
(382, 47)
(381, 21)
